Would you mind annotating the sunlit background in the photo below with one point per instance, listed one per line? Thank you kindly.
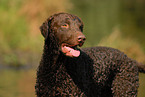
(115, 23)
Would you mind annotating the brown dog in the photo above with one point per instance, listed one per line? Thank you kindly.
(66, 71)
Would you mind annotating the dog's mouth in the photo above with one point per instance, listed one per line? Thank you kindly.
(70, 50)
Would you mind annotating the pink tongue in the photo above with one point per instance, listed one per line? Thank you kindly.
(70, 52)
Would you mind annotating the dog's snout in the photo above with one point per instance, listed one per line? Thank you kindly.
(81, 38)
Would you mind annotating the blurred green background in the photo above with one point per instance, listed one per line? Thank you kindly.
(115, 23)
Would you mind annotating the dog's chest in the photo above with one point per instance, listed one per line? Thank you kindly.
(65, 85)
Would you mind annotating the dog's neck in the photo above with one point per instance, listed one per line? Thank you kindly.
(52, 57)
(50, 66)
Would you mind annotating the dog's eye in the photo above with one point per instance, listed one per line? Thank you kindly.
(65, 26)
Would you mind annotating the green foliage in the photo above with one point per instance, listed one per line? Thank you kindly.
(13, 28)
(8, 23)
(132, 19)
(20, 39)
(131, 47)
(99, 17)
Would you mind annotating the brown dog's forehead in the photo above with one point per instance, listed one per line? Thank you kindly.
(65, 17)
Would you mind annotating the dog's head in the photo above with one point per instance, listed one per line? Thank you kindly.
(68, 32)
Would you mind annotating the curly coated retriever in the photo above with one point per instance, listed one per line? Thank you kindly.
(68, 71)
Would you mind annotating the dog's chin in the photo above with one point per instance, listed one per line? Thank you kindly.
(70, 50)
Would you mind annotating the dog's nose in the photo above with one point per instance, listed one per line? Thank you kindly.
(81, 38)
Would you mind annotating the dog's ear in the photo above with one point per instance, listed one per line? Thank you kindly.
(45, 27)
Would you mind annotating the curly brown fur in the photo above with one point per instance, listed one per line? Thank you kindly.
(66, 71)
